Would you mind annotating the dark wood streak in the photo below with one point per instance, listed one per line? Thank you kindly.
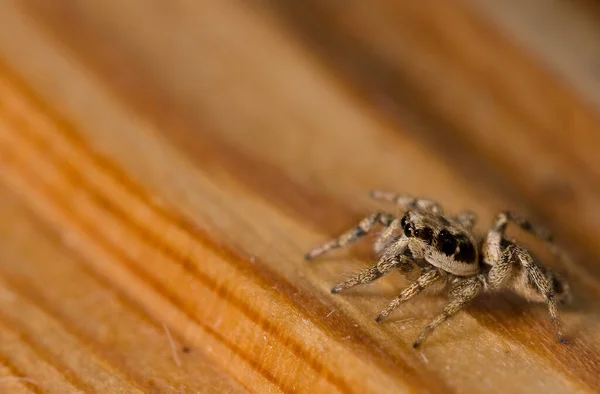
(438, 38)
(50, 232)
(372, 74)
(43, 353)
(28, 293)
(17, 373)
(489, 325)
(93, 232)
(200, 145)
(292, 293)
(239, 258)
(371, 78)
(322, 25)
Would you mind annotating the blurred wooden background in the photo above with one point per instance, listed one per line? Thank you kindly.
(165, 165)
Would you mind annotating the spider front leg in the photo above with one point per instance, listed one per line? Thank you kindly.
(386, 264)
(530, 280)
(370, 274)
(363, 228)
(406, 202)
(424, 281)
(460, 295)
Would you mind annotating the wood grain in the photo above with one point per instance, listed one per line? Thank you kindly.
(166, 165)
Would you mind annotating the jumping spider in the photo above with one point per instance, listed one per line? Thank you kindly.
(445, 251)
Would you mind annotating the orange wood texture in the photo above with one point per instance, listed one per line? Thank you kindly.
(164, 166)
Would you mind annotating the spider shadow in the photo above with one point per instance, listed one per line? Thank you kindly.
(508, 310)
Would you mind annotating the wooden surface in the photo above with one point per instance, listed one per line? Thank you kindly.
(165, 165)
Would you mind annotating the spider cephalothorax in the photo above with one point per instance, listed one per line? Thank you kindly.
(445, 251)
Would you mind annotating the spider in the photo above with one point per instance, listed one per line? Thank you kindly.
(444, 250)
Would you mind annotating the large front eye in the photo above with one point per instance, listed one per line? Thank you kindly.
(409, 229)
(425, 233)
(446, 242)
(407, 226)
(404, 220)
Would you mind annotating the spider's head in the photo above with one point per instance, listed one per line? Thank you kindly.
(445, 243)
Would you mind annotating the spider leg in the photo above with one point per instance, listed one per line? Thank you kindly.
(503, 218)
(424, 281)
(406, 202)
(467, 219)
(387, 237)
(362, 229)
(460, 295)
(531, 281)
(370, 274)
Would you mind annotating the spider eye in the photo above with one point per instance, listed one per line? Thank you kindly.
(425, 233)
(409, 229)
(404, 220)
(407, 226)
(446, 242)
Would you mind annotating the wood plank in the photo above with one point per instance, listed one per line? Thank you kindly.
(181, 176)
(83, 309)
